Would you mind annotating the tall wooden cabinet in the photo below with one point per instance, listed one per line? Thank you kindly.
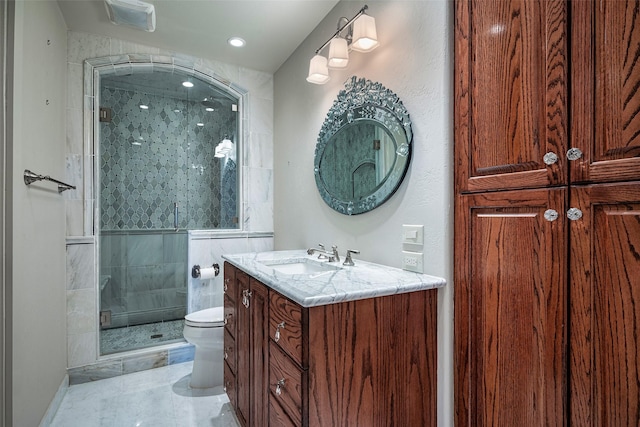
(547, 212)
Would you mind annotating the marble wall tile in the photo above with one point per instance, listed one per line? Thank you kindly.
(74, 176)
(261, 216)
(75, 217)
(260, 186)
(120, 47)
(82, 312)
(74, 131)
(261, 115)
(80, 267)
(82, 349)
(260, 150)
(258, 83)
(81, 46)
(75, 86)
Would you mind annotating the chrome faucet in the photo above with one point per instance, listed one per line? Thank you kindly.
(332, 256)
(349, 261)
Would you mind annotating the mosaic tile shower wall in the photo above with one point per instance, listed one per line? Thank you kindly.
(152, 158)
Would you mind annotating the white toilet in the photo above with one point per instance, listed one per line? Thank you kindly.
(205, 330)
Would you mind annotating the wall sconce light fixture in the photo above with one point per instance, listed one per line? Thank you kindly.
(360, 36)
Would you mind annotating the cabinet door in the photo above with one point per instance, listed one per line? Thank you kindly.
(605, 306)
(259, 353)
(605, 97)
(243, 343)
(510, 93)
(510, 277)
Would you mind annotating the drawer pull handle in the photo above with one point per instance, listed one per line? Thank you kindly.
(226, 318)
(246, 294)
(226, 285)
(276, 336)
(279, 386)
(227, 350)
(226, 385)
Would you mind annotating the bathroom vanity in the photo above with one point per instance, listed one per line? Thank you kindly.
(312, 343)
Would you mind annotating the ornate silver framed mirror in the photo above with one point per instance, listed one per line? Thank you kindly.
(363, 149)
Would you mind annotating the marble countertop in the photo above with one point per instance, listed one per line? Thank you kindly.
(364, 280)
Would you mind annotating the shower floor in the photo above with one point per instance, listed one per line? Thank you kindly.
(129, 338)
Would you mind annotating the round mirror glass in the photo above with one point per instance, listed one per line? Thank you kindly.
(363, 149)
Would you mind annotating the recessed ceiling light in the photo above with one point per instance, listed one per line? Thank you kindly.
(144, 107)
(187, 84)
(236, 42)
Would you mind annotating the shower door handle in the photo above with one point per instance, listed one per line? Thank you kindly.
(175, 216)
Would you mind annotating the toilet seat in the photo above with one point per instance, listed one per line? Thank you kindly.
(208, 318)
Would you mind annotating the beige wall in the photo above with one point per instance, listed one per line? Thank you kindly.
(413, 60)
(38, 212)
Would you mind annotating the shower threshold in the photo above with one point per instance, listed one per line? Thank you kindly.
(127, 338)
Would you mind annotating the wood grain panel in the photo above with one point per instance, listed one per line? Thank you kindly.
(510, 309)
(291, 335)
(259, 353)
(230, 316)
(230, 351)
(605, 97)
(230, 385)
(605, 306)
(243, 341)
(281, 367)
(510, 93)
(372, 362)
(230, 285)
(277, 416)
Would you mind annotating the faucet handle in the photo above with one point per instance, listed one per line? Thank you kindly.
(321, 255)
(349, 261)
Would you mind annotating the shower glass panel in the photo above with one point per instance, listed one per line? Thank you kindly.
(167, 165)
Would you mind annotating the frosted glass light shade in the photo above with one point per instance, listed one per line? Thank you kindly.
(338, 53)
(133, 13)
(365, 37)
(318, 70)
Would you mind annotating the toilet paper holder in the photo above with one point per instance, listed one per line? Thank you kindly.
(195, 270)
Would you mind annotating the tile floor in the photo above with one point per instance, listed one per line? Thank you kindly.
(158, 397)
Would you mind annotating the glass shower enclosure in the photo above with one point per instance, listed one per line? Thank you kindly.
(167, 164)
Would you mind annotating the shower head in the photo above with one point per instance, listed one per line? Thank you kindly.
(211, 102)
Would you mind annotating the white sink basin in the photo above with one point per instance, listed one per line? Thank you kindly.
(302, 266)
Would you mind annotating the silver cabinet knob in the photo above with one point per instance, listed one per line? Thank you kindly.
(574, 154)
(246, 294)
(574, 214)
(279, 386)
(551, 215)
(550, 158)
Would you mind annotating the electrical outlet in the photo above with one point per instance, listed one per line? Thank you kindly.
(412, 261)
(413, 234)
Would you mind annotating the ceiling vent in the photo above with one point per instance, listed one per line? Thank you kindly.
(132, 13)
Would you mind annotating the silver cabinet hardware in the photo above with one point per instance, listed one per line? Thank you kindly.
(226, 352)
(276, 336)
(574, 214)
(348, 260)
(175, 217)
(226, 318)
(279, 386)
(551, 215)
(246, 294)
(550, 158)
(226, 285)
(574, 154)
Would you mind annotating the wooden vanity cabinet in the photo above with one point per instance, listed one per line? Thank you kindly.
(368, 362)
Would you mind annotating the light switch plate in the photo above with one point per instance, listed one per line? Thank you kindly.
(412, 261)
(413, 234)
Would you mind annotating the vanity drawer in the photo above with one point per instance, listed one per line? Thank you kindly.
(291, 378)
(230, 385)
(230, 317)
(278, 416)
(285, 326)
(229, 286)
(230, 351)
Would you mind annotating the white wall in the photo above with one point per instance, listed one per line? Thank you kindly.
(37, 260)
(414, 60)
